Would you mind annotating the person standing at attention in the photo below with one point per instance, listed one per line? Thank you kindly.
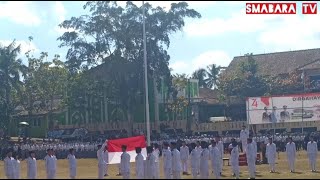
(101, 162)
(32, 166)
(17, 166)
(106, 160)
(204, 161)
(139, 164)
(235, 160)
(9, 165)
(312, 151)
(72, 164)
(291, 154)
(167, 161)
(51, 165)
(184, 152)
(156, 153)
(198, 151)
(176, 161)
(221, 149)
(251, 157)
(125, 163)
(150, 164)
(194, 161)
(215, 157)
(244, 135)
(271, 154)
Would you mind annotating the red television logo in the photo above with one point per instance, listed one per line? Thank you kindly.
(271, 8)
(309, 8)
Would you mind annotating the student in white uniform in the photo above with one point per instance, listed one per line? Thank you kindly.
(194, 161)
(156, 153)
(244, 135)
(204, 161)
(271, 154)
(101, 162)
(125, 163)
(176, 161)
(17, 166)
(291, 154)
(198, 151)
(32, 166)
(106, 160)
(167, 161)
(150, 164)
(251, 156)
(184, 153)
(72, 164)
(51, 164)
(312, 151)
(139, 160)
(215, 157)
(235, 160)
(221, 149)
(9, 165)
(255, 146)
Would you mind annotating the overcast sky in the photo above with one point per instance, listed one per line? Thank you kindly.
(224, 31)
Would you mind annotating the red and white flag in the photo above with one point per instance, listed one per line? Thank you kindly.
(115, 151)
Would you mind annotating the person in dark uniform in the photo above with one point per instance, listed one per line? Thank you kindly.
(284, 115)
(266, 115)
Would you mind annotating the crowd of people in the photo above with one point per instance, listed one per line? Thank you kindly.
(178, 155)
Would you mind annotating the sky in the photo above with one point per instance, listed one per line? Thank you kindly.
(223, 32)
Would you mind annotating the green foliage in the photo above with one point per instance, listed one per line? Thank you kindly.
(112, 35)
(201, 75)
(10, 85)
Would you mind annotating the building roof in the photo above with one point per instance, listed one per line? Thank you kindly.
(209, 96)
(279, 62)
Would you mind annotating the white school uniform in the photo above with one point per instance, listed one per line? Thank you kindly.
(291, 155)
(101, 162)
(125, 165)
(72, 166)
(31, 168)
(156, 154)
(17, 169)
(139, 166)
(312, 151)
(167, 163)
(204, 164)
(235, 161)
(215, 156)
(176, 164)
(184, 153)
(271, 153)
(9, 167)
(150, 167)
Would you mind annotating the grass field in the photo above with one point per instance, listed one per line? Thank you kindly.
(87, 168)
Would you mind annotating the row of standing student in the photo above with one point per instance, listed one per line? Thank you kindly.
(12, 165)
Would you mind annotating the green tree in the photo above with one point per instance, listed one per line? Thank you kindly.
(113, 35)
(213, 72)
(10, 70)
(201, 75)
(243, 82)
(46, 82)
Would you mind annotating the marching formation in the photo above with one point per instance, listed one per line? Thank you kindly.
(204, 157)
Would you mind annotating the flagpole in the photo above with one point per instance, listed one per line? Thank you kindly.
(146, 76)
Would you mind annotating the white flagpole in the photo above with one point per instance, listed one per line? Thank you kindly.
(146, 76)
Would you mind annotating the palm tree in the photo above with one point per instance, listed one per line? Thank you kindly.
(10, 70)
(200, 74)
(213, 72)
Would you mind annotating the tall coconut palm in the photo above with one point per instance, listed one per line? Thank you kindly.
(10, 70)
(213, 72)
(200, 74)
